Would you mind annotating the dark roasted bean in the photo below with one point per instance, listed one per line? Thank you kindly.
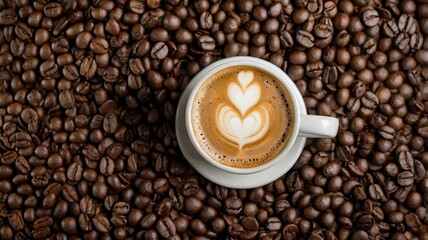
(101, 223)
(8, 16)
(15, 220)
(305, 38)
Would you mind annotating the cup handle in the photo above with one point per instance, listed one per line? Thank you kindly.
(315, 126)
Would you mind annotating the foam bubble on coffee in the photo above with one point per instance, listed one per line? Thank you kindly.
(242, 116)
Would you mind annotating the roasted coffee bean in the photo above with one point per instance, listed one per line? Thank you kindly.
(88, 67)
(390, 28)
(69, 192)
(155, 79)
(406, 23)
(121, 208)
(52, 9)
(48, 68)
(43, 222)
(159, 51)
(324, 28)
(322, 202)
(110, 123)
(206, 43)
(8, 16)
(85, 222)
(137, 6)
(286, 39)
(206, 20)
(406, 161)
(70, 72)
(412, 220)
(118, 220)
(41, 233)
(405, 178)
(366, 222)
(67, 99)
(370, 16)
(15, 220)
(101, 223)
(273, 224)
(305, 38)
(420, 171)
(166, 227)
(300, 15)
(23, 31)
(290, 231)
(136, 66)
(369, 100)
(314, 70)
(159, 35)
(22, 165)
(99, 45)
(9, 157)
(387, 132)
(74, 172)
(402, 40)
(416, 41)
(233, 205)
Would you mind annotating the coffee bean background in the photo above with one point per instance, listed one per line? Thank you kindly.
(88, 95)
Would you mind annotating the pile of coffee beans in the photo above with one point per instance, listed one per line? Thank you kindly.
(88, 95)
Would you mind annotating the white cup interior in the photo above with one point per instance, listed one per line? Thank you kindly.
(257, 63)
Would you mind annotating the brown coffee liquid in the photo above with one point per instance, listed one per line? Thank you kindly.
(242, 116)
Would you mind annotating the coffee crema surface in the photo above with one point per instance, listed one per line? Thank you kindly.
(242, 116)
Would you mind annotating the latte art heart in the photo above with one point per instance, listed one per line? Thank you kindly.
(243, 99)
(243, 128)
(245, 78)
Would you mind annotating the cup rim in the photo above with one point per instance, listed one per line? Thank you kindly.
(264, 65)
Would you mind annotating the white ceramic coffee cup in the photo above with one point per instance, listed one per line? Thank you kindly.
(310, 126)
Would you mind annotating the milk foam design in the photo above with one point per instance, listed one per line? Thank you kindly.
(235, 122)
